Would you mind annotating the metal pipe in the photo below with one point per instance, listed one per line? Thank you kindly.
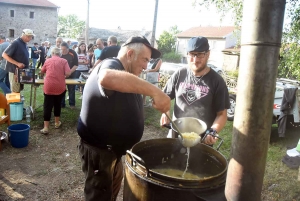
(154, 24)
(261, 37)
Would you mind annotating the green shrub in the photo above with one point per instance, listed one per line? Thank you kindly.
(172, 57)
(234, 73)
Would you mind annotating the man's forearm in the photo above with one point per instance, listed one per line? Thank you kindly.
(9, 59)
(220, 120)
(125, 82)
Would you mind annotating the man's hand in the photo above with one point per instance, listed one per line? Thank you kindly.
(164, 120)
(161, 102)
(210, 139)
(20, 65)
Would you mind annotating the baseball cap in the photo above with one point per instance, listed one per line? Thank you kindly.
(28, 32)
(141, 39)
(197, 44)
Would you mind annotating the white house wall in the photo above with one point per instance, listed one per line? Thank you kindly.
(44, 23)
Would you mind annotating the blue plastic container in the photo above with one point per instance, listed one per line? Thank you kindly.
(19, 135)
(16, 111)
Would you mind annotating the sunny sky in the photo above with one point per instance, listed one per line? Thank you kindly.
(139, 14)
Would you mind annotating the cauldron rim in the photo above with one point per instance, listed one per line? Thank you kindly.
(214, 179)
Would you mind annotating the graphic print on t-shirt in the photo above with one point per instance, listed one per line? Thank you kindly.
(192, 92)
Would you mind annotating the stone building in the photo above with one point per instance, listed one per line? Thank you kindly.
(39, 15)
(122, 35)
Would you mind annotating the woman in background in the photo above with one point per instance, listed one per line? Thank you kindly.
(83, 62)
(56, 70)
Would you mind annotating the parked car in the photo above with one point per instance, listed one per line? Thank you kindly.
(170, 68)
(217, 69)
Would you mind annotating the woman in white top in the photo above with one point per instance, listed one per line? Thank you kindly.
(83, 61)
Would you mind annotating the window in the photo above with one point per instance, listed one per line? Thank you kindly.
(31, 15)
(12, 13)
(11, 33)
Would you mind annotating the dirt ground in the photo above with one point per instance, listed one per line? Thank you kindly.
(48, 168)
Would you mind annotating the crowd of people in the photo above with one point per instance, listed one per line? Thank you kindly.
(113, 96)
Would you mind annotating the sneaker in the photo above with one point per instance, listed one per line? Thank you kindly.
(67, 97)
(80, 97)
(57, 125)
(44, 131)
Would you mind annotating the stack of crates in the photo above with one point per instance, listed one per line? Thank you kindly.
(15, 105)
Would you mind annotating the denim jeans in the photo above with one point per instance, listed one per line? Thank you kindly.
(71, 92)
(34, 62)
(4, 81)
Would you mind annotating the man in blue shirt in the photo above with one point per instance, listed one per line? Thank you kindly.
(4, 81)
(17, 56)
(97, 52)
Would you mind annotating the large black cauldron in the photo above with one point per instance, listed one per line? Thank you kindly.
(144, 184)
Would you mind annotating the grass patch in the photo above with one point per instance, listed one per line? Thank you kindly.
(280, 182)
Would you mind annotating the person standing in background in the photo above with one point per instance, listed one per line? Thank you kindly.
(83, 62)
(42, 55)
(17, 56)
(97, 52)
(111, 50)
(35, 53)
(4, 80)
(54, 88)
(72, 58)
(58, 42)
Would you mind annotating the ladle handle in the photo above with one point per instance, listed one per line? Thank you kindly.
(173, 124)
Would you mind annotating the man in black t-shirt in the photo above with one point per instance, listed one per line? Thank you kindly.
(111, 119)
(111, 50)
(198, 90)
(72, 58)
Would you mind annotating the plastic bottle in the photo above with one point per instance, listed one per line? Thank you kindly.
(28, 112)
(22, 98)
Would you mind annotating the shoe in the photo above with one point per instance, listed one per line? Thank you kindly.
(80, 97)
(44, 131)
(57, 125)
(67, 97)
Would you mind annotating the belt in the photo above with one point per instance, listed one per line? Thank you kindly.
(106, 147)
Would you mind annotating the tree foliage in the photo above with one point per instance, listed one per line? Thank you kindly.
(289, 65)
(70, 26)
(167, 40)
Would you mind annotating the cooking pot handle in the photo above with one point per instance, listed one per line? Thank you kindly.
(214, 135)
(167, 126)
(139, 159)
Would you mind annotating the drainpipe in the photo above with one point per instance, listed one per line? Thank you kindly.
(260, 43)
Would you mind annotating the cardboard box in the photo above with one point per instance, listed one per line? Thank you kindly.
(13, 98)
(26, 75)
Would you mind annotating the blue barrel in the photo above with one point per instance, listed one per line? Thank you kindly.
(19, 135)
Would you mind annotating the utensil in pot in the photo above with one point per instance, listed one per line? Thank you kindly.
(184, 139)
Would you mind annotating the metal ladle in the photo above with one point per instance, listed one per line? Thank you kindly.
(173, 124)
(184, 142)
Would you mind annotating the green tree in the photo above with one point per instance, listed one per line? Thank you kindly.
(289, 65)
(167, 40)
(70, 26)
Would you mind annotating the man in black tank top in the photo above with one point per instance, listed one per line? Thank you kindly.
(111, 118)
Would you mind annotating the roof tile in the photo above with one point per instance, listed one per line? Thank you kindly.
(208, 32)
(38, 3)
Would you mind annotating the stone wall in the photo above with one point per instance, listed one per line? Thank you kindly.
(44, 23)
